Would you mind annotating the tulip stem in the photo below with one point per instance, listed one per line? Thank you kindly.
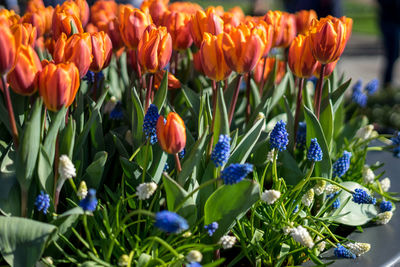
(176, 59)
(177, 163)
(56, 162)
(318, 92)
(262, 77)
(248, 108)
(10, 110)
(298, 109)
(234, 99)
(24, 202)
(215, 87)
(148, 92)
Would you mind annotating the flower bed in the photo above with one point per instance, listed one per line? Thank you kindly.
(175, 136)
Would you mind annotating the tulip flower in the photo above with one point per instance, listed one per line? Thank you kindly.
(173, 82)
(171, 134)
(69, 7)
(58, 84)
(202, 22)
(300, 59)
(24, 34)
(37, 21)
(304, 19)
(289, 30)
(8, 49)
(242, 48)
(275, 18)
(266, 33)
(329, 68)
(34, 5)
(197, 62)
(132, 23)
(212, 58)
(65, 23)
(101, 51)
(22, 76)
(112, 30)
(76, 49)
(103, 11)
(156, 9)
(269, 67)
(84, 11)
(185, 7)
(178, 26)
(9, 16)
(154, 49)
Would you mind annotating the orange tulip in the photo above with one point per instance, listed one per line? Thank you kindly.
(69, 7)
(112, 30)
(62, 24)
(58, 84)
(304, 19)
(156, 8)
(8, 48)
(266, 33)
(34, 5)
(101, 50)
(37, 21)
(212, 57)
(185, 7)
(154, 49)
(48, 18)
(9, 16)
(242, 48)
(173, 82)
(269, 67)
(91, 28)
(300, 59)
(84, 11)
(328, 69)
(202, 22)
(276, 19)
(171, 135)
(24, 34)
(76, 49)
(289, 30)
(178, 26)
(22, 76)
(349, 26)
(328, 39)
(231, 20)
(132, 23)
(103, 11)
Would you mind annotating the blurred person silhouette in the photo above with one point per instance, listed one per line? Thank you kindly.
(322, 7)
(10, 4)
(389, 22)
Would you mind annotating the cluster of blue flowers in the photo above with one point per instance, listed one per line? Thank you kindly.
(342, 252)
(211, 228)
(150, 123)
(236, 172)
(182, 153)
(314, 151)
(279, 136)
(360, 96)
(341, 166)
(360, 196)
(336, 203)
(170, 222)
(42, 202)
(166, 167)
(301, 135)
(396, 142)
(89, 203)
(117, 113)
(385, 206)
(193, 264)
(89, 77)
(221, 151)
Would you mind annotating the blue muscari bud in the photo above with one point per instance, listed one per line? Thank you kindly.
(89, 203)
(193, 264)
(342, 252)
(314, 151)
(372, 86)
(301, 135)
(150, 123)
(341, 166)
(296, 209)
(89, 77)
(386, 206)
(396, 142)
(42, 202)
(279, 136)
(211, 228)
(117, 113)
(360, 98)
(221, 151)
(360, 196)
(236, 172)
(170, 222)
(166, 167)
(336, 203)
(100, 76)
(182, 153)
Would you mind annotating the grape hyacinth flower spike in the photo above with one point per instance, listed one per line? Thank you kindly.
(301, 135)
(385, 206)
(279, 136)
(341, 166)
(360, 196)
(314, 151)
(342, 252)
(170, 222)
(396, 143)
(89, 203)
(221, 151)
(211, 228)
(42, 202)
(372, 86)
(150, 123)
(235, 173)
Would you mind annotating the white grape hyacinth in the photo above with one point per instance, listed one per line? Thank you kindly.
(368, 175)
(270, 196)
(194, 256)
(385, 184)
(365, 132)
(66, 168)
(331, 189)
(384, 217)
(82, 190)
(146, 190)
(319, 188)
(301, 235)
(321, 245)
(358, 248)
(308, 198)
(227, 241)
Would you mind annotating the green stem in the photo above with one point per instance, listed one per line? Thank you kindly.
(10, 110)
(164, 244)
(332, 182)
(330, 233)
(143, 178)
(88, 236)
(136, 152)
(319, 234)
(274, 168)
(305, 180)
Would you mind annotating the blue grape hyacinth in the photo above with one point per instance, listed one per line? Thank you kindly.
(385, 206)
(360, 196)
(117, 113)
(193, 264)
(222, 149)
(336, 203)
(342, 252)
(279, 136)
(170, 222)
(89, 203)
(182, 153)
(150, 123)
(211, 228)
(42, 202)
(341, 166)
(236, 172)
(358, 96)
(396, 143)
(372, 86)
(89, 77)
(314, 151)
(301, 135)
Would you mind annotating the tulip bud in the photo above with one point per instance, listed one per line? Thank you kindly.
(62, 24)
(132, 23)
(178, 26)
(171, 134)
(58, 84)
(22, 77)
(34, 5)
(212, 57)
(173, 82)
(304, 19)
(24, 34)
(76, 49)
(208, 22)
(300, 59)
(242, 48)
(101, 49)
(8, 49)
(154, 49)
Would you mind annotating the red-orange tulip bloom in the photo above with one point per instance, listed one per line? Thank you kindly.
(156, 8)
(269, 67)
(173, 82)
(349, 26)
(76, 49)
(24, 34)
(178, 26)
(171, 135)
(62, 24)
(132, 23)
(300, 59)
(304, 19)
(9, 16)
(58, 84)
(7, 48)
(289, 30)
(208, 22)
(103, 11)
(266, 33)
(37, 21)
(154, 49)
(276, 19)
(328, 39)
(212, 57)
(197, 62)
(22, 76)
(185, 7)
(69, 7)
(242, 48)
(34, 5)
(112, 30)
(101, 51)
(328, 69)
(84, 11)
